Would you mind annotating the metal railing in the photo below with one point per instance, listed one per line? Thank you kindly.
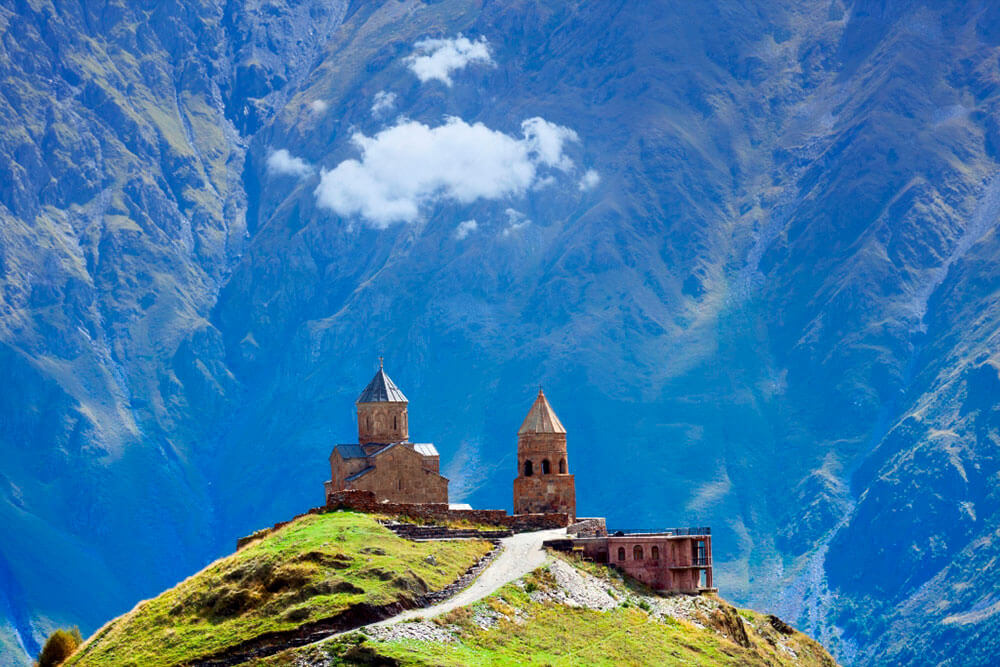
(683, 532)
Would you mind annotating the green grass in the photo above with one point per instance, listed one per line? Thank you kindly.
(311, 569)
(545, 633)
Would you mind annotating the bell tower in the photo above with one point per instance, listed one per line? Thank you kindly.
(382, 414)
(543, 483)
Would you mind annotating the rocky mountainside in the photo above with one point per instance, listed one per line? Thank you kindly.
(751, 252)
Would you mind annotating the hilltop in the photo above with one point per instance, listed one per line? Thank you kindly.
(337, 571)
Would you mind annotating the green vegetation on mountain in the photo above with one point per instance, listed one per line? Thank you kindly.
(314, 568)
(573, 613)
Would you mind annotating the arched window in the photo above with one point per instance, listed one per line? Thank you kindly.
(545, 467)
(562, 466)
(654, 553)
(637, 552)
(528, 468)
(621, 553)
(394, 427)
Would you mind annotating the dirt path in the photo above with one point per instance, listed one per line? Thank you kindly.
(521, 554)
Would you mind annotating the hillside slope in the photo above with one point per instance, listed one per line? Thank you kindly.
(344, 565)
(568, 612)
(317, 568)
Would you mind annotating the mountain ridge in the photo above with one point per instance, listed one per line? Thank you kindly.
(780, 275)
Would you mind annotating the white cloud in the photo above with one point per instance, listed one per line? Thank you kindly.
(383, 103)
(409, 166)
(589, 180)
(438, 58)
(542, 183)
(318, 106)
(515, 222)
(283, 163)
(465, 228)
(546, 141)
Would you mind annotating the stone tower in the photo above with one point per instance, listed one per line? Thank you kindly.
(543, 481)
(382, 411)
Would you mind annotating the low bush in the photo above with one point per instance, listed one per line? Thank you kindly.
(60, 645)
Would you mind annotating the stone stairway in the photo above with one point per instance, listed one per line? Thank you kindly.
(423, 533)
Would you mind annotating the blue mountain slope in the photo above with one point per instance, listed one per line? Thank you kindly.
(749, 251)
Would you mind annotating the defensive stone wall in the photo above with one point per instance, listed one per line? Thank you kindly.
(365, 501)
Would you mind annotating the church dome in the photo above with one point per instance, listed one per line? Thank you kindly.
(541, 418)
(382, 390)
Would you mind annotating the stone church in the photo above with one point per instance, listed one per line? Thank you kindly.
(395, 470)
(384, 461)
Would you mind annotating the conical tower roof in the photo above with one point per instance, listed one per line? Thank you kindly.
(541, 418)
(382, 389)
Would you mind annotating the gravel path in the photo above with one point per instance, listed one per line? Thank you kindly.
(521, 554)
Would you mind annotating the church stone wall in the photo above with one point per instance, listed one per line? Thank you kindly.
(383, 422)
(545, 494)
(401, 475)
(341, 469)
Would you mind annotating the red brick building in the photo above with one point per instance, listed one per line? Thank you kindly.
(384, 461)
(543, 484)
(677, 561)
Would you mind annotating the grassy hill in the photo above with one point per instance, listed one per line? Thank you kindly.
(327, 566)
(315, 568)
(570, 612)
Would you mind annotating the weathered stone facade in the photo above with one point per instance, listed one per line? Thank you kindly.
(384, 461)
(365, 501)
(543, 483)
(394, 473)
(383, 422)
(665, 562)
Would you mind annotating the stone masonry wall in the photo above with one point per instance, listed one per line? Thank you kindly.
(545, 494)
(365, 501)
(588, 527)
(401, 474)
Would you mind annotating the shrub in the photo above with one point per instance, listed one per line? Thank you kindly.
(60, 645)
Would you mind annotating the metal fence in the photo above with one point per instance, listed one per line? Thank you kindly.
(702, 530)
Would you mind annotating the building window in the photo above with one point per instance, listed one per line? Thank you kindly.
(654, 553)
(699, 555)
(621, 553)
(637, 552)
(545, 467)
(394, 427)
(528, 469)
(399, 484)
(562, 466)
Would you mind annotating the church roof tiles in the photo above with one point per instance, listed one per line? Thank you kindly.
(381, 390)
(351, 451)
(541, 418)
